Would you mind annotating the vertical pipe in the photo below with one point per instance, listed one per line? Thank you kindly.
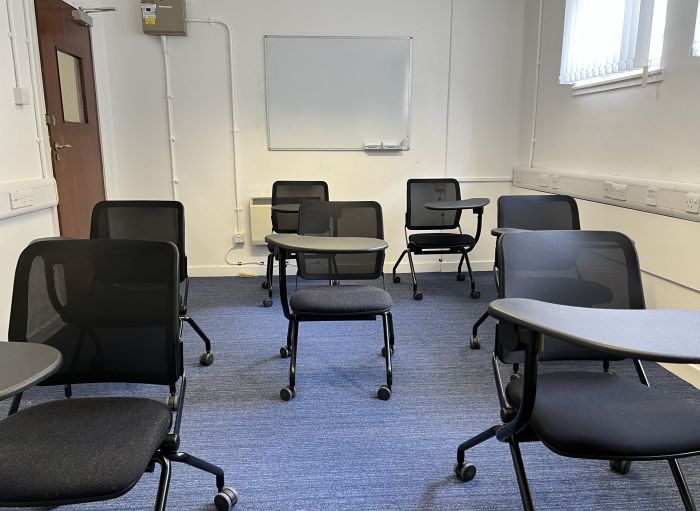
(12, 34)
(449, 80)
(169, 108)
(537, 86)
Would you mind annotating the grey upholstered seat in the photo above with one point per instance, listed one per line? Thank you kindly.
(439, 240)
(341, 300)
(627, 419)
(64, 435)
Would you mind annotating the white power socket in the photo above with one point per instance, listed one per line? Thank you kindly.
(544, 180)
(608, 189)
(619, 192)
(652, 197)
(239, 237)
(22, 198)
(692, 202)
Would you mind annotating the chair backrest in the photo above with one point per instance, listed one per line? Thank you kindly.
(340, 218)
(153, 220)
(420, 191)
(538, 212)
(122, 329)
(579, 268)
(294, 192)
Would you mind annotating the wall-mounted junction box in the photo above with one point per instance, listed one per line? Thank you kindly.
(163, 17)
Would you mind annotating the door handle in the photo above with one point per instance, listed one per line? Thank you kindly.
(57, 147)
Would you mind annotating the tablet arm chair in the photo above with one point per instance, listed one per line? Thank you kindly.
(578, 413)
(289, 192)
(532, 213)
(340, 302)
(69, 294)
(151, 220)
(419, 218)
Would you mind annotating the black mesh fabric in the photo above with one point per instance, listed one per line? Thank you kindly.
(420, 191)
(294, 192)
(142, 220)
(538, 212)
(335, 219)
(579, 268)
(80, 297)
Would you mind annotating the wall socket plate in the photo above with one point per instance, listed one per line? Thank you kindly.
(692, 202)
(239, 237)
(652, 196)
(619, 192)
(22, 198)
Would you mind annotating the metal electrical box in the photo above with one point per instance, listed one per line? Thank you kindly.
(163, 17)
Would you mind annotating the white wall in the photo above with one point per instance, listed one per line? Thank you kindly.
(650, 132)
(477, 138)
(21, 155)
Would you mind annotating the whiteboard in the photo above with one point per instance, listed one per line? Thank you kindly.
(338, 93)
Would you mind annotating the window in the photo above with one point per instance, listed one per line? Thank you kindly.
(695, 51)
(605, 38)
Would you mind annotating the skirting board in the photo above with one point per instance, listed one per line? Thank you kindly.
(687, 372)
(259, 269)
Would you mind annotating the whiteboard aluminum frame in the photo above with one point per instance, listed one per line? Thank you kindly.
(364, 149)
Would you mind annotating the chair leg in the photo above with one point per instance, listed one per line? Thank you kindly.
(388, 345)
(682, 486)
(199, 331)
(474, 293)
(393, 271)
(459, 266)
(227, 496)
(288, 392)
(14, 407)
(391, 331)
(520, 474)
(164, 485)
(416, 294)
(286, 350)
(474, 441)
(474, 342)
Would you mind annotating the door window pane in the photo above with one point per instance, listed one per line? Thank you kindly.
(71, 87)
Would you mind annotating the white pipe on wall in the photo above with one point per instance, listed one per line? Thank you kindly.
(537, 86)
(234, 124)
(13, 43)
(169, 109)
(39, 122)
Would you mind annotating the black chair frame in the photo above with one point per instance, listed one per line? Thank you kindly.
(414, 249)
(206, 358)
(168, 452)
(514, 428)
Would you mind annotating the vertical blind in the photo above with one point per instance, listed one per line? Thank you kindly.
(604, 37)
(695, 51)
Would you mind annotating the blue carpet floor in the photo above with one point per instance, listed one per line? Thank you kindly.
(335, 446)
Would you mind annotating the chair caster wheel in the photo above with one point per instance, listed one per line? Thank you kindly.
(267, 302)
(397, 279)
(474, 342)
(384, 392)
(620, 466)
(384, 352)
(265, 284)
(476, 294)
(173, 402)
(461, 277)
(206, 359)
(417, 296)
(284, 352)
(225, 499)
(287, 393)
(466, 471)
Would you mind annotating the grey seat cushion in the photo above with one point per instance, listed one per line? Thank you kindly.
(601, 415)
(440, 240)
(78, 449)
(333, 300)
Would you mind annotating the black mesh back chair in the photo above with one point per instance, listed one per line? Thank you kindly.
(419, 218)
(289, 192)
(150, 220)
(579, 413)
(533, 213)
(340, 302)
(69, 294)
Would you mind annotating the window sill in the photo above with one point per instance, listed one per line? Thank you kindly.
(630, 79)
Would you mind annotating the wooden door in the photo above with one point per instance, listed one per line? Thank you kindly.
(71, 107)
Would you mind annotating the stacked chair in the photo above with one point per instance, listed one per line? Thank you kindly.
(69, 294)
(579, 413)
(150, 220)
